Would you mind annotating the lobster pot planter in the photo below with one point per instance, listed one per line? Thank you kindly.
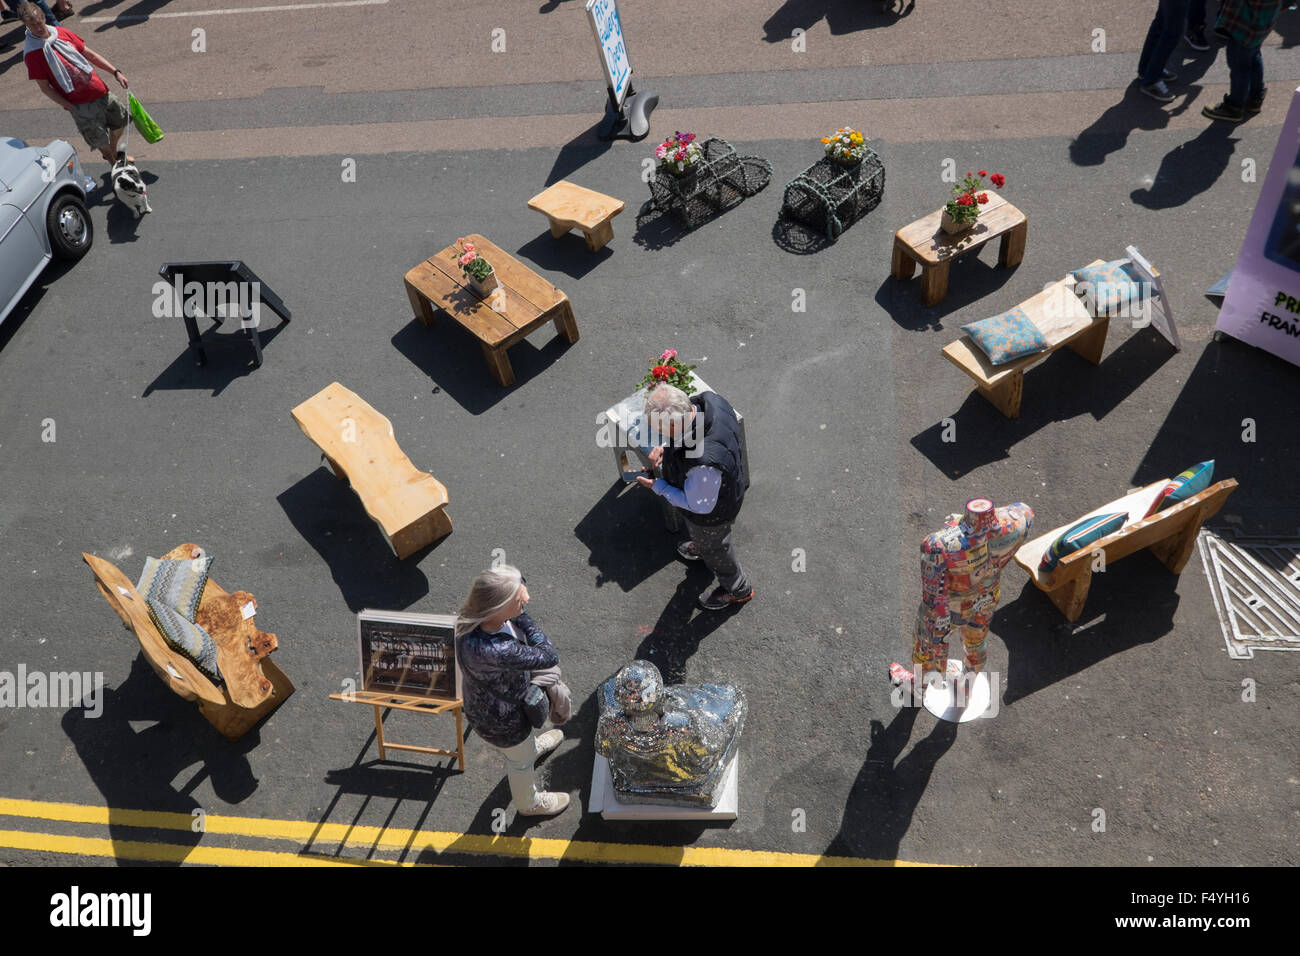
(720, 180)
(829, 196)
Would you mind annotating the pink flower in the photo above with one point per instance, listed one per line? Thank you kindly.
(467, 258)
(668, 353)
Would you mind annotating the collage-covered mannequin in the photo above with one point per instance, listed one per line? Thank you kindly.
(960, 568)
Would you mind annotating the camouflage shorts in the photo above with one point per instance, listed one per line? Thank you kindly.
(95, 119)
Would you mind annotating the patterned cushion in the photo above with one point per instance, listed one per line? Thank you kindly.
(1185, 485)
(178, 584)
(1005, 337)
(186, 638)
(1109, 288)
(1080, 536)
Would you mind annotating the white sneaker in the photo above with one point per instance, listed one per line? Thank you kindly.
(548, 741)
(546, 803)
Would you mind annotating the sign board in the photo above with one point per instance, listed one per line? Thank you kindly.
(413, 654)
(605, 24)
(1262, 306)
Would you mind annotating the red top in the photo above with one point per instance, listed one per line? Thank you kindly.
(86, 87)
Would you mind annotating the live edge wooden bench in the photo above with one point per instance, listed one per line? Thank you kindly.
(1061, 317)
(1169, 534)
(568, 206)
(253, 686)
(409, 505)
(523, 302)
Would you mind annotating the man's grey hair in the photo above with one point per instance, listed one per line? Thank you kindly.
(667, 402)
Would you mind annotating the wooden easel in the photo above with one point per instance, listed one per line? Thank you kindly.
(424, 705)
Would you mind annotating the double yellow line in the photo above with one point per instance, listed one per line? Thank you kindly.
(411, 843)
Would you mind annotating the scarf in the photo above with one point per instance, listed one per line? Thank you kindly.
(54, 49)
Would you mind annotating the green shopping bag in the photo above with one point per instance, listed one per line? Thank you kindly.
(143, 121)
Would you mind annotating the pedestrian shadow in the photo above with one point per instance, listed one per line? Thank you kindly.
(1095, 390)
(1109, 132)
(1189, 169)
(841, 16)
(136, 770)
(330, 518)
(623, 533)
(131, 16)
(1129, 605)
(884, 796)
(677, 635)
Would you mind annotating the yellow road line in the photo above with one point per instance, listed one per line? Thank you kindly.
(532, 848)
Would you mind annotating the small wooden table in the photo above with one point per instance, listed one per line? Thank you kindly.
(523, 302)
(409, 505)
(926, 243)
(569, 206)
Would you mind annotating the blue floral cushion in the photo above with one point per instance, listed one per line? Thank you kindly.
(178, 584)
(1184, 485)
(1081, 535)
(186, 638)
(1110, 288)
(1006, 337)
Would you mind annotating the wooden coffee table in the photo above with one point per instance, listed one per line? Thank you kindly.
(926, 243)
(523, 302)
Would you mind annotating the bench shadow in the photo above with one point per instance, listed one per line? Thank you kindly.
(969, 280)
(567, 254)
(229, 354)
(1093, 390)
(330, 517)
(1232, 409)
(452, 358)
(136, 769)
(625, 536)
(1135, 605)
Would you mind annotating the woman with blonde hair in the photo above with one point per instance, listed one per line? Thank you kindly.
(498, 647)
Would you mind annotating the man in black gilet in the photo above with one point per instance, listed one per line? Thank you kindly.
(703, 476)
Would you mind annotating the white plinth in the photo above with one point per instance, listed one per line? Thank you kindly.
(956, 699)
(607, 805)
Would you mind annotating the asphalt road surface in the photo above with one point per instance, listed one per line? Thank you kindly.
(1135, 720)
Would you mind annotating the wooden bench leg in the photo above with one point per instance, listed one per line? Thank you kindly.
(903, 266)
(565, 324)
(559, 229)
(1092, 344)
(499, 364)
(1175, 551)
(1070, 598)
(1005, 397)
(597, 238)
(422, 307)
(1012, 247)
(934, 282)
(421, 533)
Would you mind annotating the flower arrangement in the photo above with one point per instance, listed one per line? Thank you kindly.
(846, 146)
(963, 210)
(667, 369)
(678, 153)
(471, 263)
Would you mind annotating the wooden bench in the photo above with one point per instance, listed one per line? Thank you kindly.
(253, 686)
(523, 302)
(1169, 534)
(409, 505)
(925, 243)
(569, 206)
(1061, 317)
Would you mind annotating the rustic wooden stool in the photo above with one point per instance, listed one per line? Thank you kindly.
(569, 206)
(925, 242)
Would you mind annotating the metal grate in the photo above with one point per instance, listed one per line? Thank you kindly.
(1255, 582)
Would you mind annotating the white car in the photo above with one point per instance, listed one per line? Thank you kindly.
(42, 213)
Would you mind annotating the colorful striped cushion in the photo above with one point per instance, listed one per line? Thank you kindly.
(1184, 485)
(1006, 337)
(1080, 536)
(186, 638)
(178, 584)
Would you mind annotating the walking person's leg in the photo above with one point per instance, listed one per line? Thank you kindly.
(1241, 76)
(1168, 29)
(520, 772)
(714, 545)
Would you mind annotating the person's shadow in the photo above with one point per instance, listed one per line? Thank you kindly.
(1109, 132)
(880, 805)
(841, 16)
(1189, 169)
(676, 636)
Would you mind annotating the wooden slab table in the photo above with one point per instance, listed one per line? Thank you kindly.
(924, 242)
(569, 206)
(522, 303)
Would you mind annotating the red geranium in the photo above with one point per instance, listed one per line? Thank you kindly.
(983, 198)
(964, 199)
(984, 172)
(662, 372)
(997, 179)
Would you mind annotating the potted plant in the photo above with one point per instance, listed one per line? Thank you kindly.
(960, 213)
(667, 369)
(679, 154)
(846, 146)
(478, 271)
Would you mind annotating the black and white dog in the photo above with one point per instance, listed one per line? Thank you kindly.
(129, 187)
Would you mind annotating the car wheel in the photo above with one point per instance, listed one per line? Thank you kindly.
(69, 227)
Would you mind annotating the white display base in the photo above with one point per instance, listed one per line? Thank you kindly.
(606, 804)
(941, 699)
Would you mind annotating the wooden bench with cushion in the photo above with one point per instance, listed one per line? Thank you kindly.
(1063, 321)
(253, 686)
(1170, 534)
(568, 206)
(409, 505)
